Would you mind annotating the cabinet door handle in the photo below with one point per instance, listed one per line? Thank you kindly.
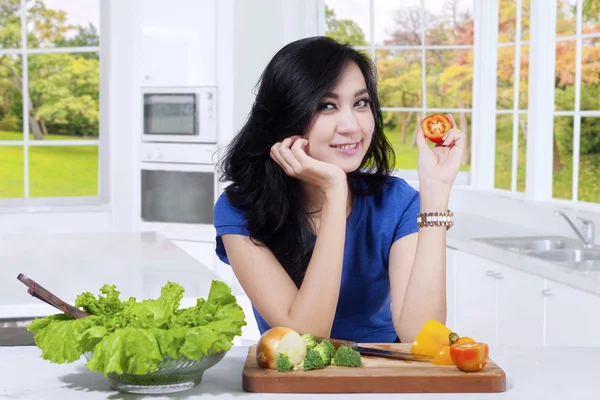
(499, 275)
(546, 292)
(490, 273)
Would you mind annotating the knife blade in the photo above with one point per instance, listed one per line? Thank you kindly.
(371, 351)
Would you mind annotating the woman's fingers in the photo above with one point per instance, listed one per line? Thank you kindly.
(421, 141)
(282, 154)
(276, 155)
(454, 137)
(289, 156)
(299, 152)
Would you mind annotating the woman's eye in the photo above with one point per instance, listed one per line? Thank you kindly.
(326, 106)
(362, 103)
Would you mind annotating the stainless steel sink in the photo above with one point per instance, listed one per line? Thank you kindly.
(533, 243)
(560, 250)
(568, 255)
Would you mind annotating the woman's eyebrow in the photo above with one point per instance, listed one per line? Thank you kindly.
(335, 96)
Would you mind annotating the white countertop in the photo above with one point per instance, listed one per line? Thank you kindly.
(531, 373)
(469, 227)
(139, 264)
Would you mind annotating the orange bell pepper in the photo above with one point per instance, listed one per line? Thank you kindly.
(432, 337)
(463, 340)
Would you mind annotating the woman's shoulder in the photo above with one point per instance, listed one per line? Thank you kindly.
(398, 185)
(226, 213)
(393, 187)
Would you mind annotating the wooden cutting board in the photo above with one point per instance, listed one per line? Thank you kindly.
(377, 375)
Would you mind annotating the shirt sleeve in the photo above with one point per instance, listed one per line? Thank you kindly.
(410, 206)
(227, 220)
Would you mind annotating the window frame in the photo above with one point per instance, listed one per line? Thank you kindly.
(79, 202)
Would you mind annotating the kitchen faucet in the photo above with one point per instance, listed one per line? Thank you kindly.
(587, 234)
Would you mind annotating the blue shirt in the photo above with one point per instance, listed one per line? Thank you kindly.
(363, 311)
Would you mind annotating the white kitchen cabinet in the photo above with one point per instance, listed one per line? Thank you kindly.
(520, 308)
(572, 316)
(475, 298)
(503, 306)
(178, 42)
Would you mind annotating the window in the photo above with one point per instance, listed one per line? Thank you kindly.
(576, 140)
(423, 50)
(511, 95)
(527, 53)
(49, 102)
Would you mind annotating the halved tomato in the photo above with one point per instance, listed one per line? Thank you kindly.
(470, 357)
(435, 127)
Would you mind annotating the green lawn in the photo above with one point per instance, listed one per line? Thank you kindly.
(589, 177)
(54, 171)
(503, 161)
(589, 167)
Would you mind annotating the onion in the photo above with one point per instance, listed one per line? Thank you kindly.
(279, 340)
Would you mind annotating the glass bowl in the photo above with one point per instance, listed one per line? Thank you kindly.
(172, 375)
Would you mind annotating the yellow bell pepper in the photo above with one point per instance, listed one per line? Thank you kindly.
(432, 337)
(443, 356)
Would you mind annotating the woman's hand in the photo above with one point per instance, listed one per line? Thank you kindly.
(290, 155)
(438, 166)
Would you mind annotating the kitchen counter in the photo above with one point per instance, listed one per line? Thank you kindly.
(139, 264)
(468, 227)
(532, 373)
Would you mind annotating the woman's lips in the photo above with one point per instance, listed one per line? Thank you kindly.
(347, 149)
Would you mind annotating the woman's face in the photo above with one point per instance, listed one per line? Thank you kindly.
(343, 126)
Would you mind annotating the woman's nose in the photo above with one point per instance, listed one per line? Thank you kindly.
(348, 122)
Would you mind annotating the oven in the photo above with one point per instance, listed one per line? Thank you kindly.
(178, 189)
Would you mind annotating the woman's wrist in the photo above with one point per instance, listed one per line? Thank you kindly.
(434, 196)
(336, 192)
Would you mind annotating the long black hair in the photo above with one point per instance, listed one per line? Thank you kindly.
(290, 90)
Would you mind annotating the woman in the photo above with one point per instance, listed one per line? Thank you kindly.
(320, 236)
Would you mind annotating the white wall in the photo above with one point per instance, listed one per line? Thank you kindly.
(262, 28)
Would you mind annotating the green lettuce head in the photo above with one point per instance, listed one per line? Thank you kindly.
(133, 337)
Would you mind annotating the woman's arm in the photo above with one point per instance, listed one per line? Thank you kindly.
(268, 286)
(418, 261)
(418, 273)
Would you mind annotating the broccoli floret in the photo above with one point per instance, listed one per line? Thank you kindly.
(310, 340)
(326, 350)
(346, 357)
(283, 363)
(312, 360)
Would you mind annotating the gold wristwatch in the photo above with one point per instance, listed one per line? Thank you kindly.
(435, 219)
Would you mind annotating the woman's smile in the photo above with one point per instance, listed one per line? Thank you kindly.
(347, 148)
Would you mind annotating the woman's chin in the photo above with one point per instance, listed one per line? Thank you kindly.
(349, 167)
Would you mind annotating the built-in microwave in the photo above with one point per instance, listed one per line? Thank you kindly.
(179, 114)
